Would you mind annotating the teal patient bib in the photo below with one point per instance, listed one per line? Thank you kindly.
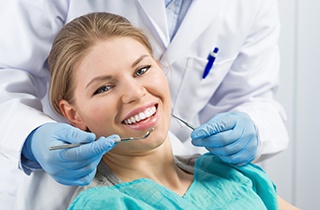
(216, 186)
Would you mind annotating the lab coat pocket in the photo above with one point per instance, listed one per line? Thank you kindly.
(197, 91)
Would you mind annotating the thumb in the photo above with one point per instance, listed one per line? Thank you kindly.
(91, 150)
(72, 135)
(219, 123)
(103, 145)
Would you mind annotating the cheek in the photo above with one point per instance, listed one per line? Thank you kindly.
(159, 85)
(98, 117)
(160, 82)
(161, 90)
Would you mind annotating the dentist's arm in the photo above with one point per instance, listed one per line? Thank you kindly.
(24, 74)
(76, 166)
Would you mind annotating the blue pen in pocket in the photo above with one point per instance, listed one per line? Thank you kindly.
(211, 59)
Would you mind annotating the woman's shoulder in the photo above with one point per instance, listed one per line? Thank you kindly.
(249, 176)
(103, 177)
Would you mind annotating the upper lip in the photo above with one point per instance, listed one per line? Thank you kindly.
(138, 110)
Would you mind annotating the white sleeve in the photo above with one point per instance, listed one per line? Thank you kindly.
(40, 191)
(27, 30)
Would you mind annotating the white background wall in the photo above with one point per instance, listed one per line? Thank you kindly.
(296, 171)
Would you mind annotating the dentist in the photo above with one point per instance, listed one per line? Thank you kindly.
(233, 105)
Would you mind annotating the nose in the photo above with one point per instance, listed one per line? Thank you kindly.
(133, 91)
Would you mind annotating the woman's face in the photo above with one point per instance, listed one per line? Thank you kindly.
(120, 89)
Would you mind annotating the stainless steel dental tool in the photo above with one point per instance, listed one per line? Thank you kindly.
(184, 122)
(68, 146)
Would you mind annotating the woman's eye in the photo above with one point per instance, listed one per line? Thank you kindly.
(141, 71)
(102, 89)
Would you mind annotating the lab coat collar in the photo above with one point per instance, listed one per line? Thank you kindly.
(158, 19)
(201, 13)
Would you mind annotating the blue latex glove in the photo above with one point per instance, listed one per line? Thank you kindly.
(232, 137)
(75, 166)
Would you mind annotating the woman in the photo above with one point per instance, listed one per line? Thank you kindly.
(105, 80)
(246, 33)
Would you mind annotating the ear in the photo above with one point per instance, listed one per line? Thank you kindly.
(72, 114)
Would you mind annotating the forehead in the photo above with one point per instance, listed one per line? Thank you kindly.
(115, 50)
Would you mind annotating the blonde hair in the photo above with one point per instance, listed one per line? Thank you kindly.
(75, 40)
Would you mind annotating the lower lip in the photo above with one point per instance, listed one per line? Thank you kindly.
(146, 123)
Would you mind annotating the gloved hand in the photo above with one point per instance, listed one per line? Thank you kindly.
(233, 137)
(75, 166)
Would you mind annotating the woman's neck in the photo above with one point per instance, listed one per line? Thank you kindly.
(157, 165)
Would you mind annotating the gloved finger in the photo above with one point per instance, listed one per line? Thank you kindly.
(76, 174)
(229, 149)
(241, 133)
(217, 140)
(241, 158)
(85, 180)
(86, 151)
(75, 168)
(219, 123)
(79, 181)
(70, 134)
(244, 156)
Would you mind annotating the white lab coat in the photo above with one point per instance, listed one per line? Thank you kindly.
(243, 78)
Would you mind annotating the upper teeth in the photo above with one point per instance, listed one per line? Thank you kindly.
(141, 116)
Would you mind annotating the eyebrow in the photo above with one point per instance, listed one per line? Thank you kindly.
(99, 78)
(106, 77)
(138, 60)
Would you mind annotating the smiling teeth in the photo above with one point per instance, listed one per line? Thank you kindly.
(141, 116)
